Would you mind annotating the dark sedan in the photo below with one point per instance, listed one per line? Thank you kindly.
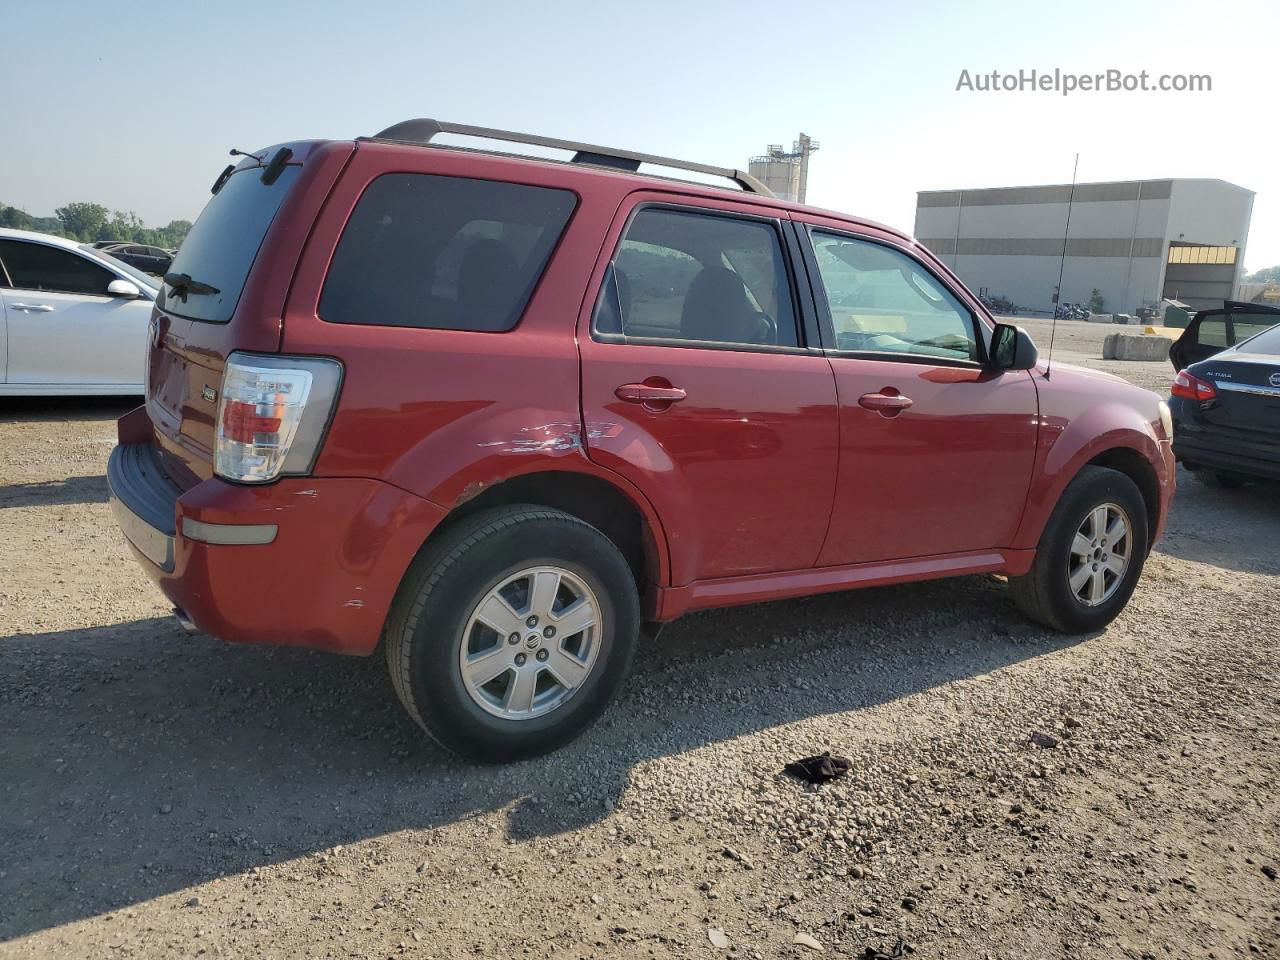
(142, 256)
(1226, 412)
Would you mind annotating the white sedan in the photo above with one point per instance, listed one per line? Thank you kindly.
(72, 320)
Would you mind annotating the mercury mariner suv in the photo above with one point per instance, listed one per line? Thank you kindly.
(502, 415)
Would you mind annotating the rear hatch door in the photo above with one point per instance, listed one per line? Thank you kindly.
(225, 291)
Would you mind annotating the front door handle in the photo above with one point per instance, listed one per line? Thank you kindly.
(888, 402)
(33, 307)
(654, 394)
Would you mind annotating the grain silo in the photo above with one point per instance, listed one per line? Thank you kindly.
(784, 172)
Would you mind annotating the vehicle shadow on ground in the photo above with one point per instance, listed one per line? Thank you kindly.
(46, 409)
(91, 489)
(1236, 529)
(139, 761)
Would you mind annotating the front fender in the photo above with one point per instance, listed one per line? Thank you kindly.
(1066, 445)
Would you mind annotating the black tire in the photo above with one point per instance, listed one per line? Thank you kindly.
(1044, 594)
(440, 592)
(1219, 481)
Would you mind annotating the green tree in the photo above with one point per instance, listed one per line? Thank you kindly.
(171, 235)
(93, 221)
(1266, 275)
(125, 227)
(15, 218)
(83, 221)
(1096, 303)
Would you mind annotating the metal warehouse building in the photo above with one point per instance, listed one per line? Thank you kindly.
(1136, 241)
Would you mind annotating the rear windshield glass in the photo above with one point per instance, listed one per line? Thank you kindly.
(223, 243)
(1268, 342)
(444, 253)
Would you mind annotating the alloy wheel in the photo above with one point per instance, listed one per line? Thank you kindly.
(1101, 551)
(530, 643)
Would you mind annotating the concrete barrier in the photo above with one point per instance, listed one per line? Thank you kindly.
(1100, 318)
(1129, 346)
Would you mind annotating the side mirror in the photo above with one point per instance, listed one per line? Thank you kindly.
(1012, 348)
(124, 289)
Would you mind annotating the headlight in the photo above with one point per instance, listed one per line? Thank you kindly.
(1166, 420)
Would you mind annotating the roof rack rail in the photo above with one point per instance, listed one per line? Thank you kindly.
(421, 131)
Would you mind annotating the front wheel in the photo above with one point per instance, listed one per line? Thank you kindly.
(1090, 555)
(511, 633)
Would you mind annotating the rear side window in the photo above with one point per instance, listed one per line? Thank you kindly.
(222, 245)
(34, 266)
(443, 253)
(699, 277)
(1213, 331)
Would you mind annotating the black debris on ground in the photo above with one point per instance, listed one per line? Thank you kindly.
(818, 769)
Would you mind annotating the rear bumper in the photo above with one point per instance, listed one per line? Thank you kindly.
(1214, 457)
(304, 561)
(1214, 450)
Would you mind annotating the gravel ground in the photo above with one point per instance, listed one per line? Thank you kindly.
(170, 796)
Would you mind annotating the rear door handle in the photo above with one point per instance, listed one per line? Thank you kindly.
(651, 395)
(33, 307)
(885, 403)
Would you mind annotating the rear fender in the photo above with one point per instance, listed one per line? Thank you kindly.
(508, 447)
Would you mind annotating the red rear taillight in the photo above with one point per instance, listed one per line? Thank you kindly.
(241, 422)
(273, 415)
(1193, 388)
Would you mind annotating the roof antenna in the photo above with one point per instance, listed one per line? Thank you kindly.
(1062, 265)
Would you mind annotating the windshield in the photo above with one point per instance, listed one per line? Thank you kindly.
(146, 280)
(222, 245)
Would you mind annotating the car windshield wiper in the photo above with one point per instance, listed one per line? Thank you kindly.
(183, 285)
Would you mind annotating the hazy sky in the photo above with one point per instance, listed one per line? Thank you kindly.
(135, 105)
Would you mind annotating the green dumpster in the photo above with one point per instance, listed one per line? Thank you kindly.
(1177, 314)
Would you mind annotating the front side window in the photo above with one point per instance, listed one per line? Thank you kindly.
(883, 301)
(34, 266)
(687, 276)
(443, 253)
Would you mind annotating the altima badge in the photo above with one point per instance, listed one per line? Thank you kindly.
(209, 393)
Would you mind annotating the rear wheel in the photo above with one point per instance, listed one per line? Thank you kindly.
(510, 635)
(1090, 555)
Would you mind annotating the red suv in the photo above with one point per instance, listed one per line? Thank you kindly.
(503, 415)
